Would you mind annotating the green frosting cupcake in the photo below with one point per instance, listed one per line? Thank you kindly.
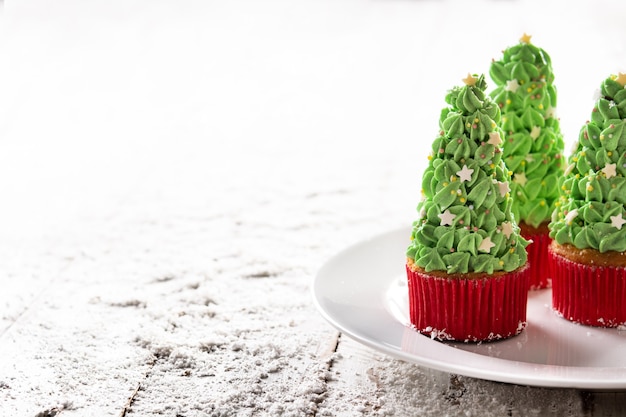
(466, 223)
(590, 211)
(533, 143)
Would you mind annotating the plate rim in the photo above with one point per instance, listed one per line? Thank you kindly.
(534, 374)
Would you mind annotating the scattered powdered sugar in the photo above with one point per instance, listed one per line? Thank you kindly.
(158, 262)
(383, 386)
(181, 328)
(175, 307)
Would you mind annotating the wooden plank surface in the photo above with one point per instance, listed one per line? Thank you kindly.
(368, 382)
(173, 176)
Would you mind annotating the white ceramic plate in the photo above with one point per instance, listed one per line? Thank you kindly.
(362, 292)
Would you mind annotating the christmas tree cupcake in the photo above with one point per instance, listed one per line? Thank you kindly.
(466, 264)
(588, 252)
(533, 144)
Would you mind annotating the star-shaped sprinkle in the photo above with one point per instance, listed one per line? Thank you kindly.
(617, 221)
(503, 187)
(494, 139)
(507, 229)
(535, 132)
(570, 216)
(446, 218)
(529, 158)
(525, 38)
(551, 112)
(520, 178)
(465, 174)
(486, 245)
(609, 170)
(621, 79)
(470, 79)
(569, 169)
(512, 86)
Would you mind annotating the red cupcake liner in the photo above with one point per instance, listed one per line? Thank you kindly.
(538, 260)
(588, 294)
(469, 310)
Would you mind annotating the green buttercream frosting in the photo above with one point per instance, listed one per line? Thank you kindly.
(590, 211)
(533, 143)
(466, 223)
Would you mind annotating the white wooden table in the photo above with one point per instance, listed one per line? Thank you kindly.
(174, 174)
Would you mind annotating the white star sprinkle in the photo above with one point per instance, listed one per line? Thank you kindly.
(503, 187)
(507, 229)
(535, 132)
(494, 139)
(609, 170)
(551, 112)
(569, 169)
(570, 216)
(446, 218)
(465, 174)
(486, 245)
(529, 158)
(512, 85)
(520, 178)
(617, 221)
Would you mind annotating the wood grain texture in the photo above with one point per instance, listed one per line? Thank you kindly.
(365, 381)
(174, 175)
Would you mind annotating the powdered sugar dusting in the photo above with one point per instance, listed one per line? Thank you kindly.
(172, 178)
(395, 388)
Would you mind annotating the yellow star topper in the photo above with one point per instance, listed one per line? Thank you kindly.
(470, 79)
(525, 38)
(621, 79)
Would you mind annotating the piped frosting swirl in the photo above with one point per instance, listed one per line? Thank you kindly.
(533, 143)
(466, 223)
(590, 212)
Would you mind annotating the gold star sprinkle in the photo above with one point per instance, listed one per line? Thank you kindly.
(470, 80)
(621, 79)
(494, 139)
(525, 38)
